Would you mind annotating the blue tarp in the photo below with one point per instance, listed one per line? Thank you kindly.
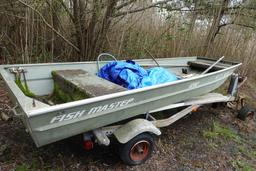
(130, 75)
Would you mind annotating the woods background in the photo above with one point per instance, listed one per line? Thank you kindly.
(36, 31)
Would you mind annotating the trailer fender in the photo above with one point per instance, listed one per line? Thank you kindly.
(133, 128)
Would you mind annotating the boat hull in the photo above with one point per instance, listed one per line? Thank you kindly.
(52, 123)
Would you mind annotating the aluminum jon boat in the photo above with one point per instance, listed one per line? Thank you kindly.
(49, 123)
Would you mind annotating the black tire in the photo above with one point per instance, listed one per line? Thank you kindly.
(244, 112)
(215, 105)
(218, 104)
(128, 150)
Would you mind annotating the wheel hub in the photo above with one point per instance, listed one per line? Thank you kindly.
(139, 150)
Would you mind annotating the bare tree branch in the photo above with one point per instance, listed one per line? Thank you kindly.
(124, 4)
(66, 9)
(206, 9)
(50, 26)
(156, 4)
(243, 25)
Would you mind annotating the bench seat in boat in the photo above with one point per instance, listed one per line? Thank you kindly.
(82, 84)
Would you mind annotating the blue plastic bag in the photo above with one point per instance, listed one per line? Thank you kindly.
(130, 75)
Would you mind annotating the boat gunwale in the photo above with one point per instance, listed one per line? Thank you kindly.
(118, 94)
(90, 62)
(47, 109)
(222, 61)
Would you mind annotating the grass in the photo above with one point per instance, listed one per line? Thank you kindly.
(241, 165)
(22, 167)
(34, 165)
(221, 90)
(247, 152)
(220, 131)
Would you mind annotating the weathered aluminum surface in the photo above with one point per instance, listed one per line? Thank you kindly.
(199, 100)
(101, 137)
(134, 128)
(126, 132)
(48, 124)
(174, 118)
(191, 103)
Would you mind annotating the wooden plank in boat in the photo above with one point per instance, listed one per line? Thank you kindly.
(81, 81)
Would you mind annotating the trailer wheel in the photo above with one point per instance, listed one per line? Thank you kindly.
(245, 112)
(137, 150)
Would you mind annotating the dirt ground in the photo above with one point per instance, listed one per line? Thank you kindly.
(210, 139)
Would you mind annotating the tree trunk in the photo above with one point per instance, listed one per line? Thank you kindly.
(187, 41)
(106, 21)
(214, 29)
(78, 28)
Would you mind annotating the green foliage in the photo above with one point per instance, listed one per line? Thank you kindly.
(241, 165)
(78, 95)
(221, 90)
(249, 153)
(22, 167)
(223, 132)
(44, 57)
(23, 88)
(59, 95)
(134, 50)
(170, 37)
(32, 166)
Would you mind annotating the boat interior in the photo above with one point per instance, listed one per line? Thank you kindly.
(38, 81)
